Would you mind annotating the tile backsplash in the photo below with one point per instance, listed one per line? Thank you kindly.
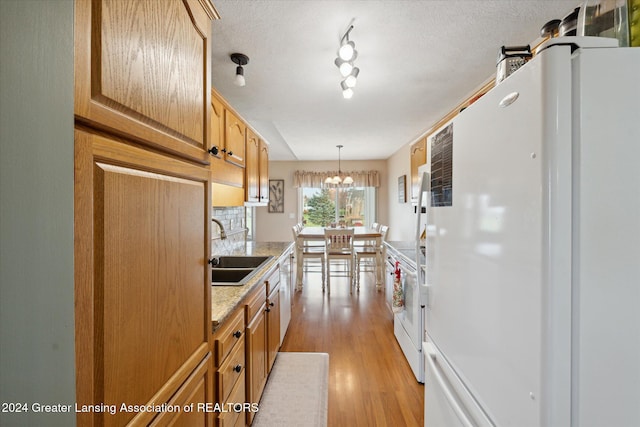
(233, 220)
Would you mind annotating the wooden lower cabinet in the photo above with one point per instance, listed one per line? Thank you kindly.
(256, 349)
(262, 335)
(229, 359)
(273, 326)
(243, 356)
(231, 417)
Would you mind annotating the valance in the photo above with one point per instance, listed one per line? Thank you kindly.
(316, 179)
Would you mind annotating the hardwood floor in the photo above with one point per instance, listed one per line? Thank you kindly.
(370, 381)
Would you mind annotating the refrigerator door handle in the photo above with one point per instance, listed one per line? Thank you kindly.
(462, 415)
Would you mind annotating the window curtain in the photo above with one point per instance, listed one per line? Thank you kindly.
(316, 179)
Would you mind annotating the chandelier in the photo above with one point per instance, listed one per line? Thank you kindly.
(338, 180)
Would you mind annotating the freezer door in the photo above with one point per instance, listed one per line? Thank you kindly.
(488, 253)
(447, 402)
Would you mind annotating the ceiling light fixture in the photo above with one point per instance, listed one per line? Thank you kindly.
(338, 180)
(352, 78)
(347, 92)
(347, 53)
(240, 59)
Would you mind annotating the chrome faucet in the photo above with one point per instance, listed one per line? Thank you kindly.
(223, 234)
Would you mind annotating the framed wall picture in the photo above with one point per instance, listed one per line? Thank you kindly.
(402, 188)
(276, 196)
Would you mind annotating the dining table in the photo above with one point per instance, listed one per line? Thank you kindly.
(360, 234)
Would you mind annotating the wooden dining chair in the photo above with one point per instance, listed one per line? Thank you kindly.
(372, 253)
(311, 256)
(339, 247)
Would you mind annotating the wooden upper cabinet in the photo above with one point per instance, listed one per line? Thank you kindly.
(418, 152)
(217, 126)
(235, 134)
(252, 167)
(142, 69)
(264, 171)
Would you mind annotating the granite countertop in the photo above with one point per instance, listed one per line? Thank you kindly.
(225, 299)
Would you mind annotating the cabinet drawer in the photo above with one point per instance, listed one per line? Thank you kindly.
(230, 418)
(230, 334)
(230, 371)
(273, 280)
(195, 390)
(256, 302)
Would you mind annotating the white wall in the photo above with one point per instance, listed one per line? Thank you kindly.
(276, 227)
(37, 355)
(402, 216)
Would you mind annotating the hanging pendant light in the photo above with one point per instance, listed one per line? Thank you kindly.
(338, 180)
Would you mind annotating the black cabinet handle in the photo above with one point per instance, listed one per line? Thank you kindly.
(268, 310)
(271, 304)
(229, 153)
(237, 334)
(213, 150)
(237, 368)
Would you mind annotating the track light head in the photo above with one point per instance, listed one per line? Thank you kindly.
(347, 92)
(352, 78)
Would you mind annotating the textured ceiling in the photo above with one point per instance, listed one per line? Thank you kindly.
(418, 59)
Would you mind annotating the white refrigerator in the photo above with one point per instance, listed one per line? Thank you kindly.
(533, 247)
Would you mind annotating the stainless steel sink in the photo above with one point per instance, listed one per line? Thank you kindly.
(236, 270)
(240, 261)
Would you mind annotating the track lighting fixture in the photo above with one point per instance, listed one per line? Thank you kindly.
(239, 59)
(346, 55)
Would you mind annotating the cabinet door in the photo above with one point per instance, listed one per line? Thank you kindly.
(195, 391)
(217, 125)
(273, 327)
(418, 152)
(264, 171)
(143, 68)
(143, 311)
(252, 167)
(235, 133)
(231, 418)
(256, 363)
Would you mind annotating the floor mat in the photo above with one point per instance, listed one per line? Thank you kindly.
(296, 393)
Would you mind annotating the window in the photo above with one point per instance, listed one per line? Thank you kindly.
(322, 206)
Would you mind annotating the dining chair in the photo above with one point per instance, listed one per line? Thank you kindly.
(339, 247)
(373, 255)
(311, 257)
